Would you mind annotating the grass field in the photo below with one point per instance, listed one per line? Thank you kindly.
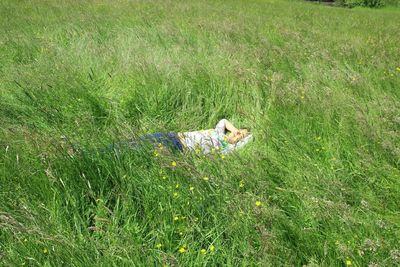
(318, 85)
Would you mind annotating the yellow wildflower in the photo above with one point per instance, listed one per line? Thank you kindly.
(159, 245)
(155, 153)
(191, 188)
(241, 183)
(222, 156)
(175, 194)
(197, 151)
(398, 68)
(183, 249)
(176, 218)
(45, 250)
(173, 164)
(177, 186)
(164, 177)
(258, 203)
(203, 251)
(211, 248)
(205, 178)
(348, 262)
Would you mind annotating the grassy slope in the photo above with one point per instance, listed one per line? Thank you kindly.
(318, 85)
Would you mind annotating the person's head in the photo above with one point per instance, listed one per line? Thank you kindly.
(235, 137)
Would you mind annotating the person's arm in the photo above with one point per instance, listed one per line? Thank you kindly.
(225, 124)
(229, 126)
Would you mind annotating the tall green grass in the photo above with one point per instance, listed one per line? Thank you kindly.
(319, 86)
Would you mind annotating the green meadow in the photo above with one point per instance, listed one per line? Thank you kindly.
(319, 86)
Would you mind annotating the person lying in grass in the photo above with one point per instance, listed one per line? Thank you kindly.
(224, 138)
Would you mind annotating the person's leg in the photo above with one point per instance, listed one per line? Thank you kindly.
(176, 143)
(169, 140)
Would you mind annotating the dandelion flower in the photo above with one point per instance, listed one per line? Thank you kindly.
(45, 250)
(203, 251)
(211, 248)
(197, 151)
(191, 188)
(348, 262)
(241, 183)
(173, 164)
(159, 245)
(175, 194)
(205, 178)
(258, 203)
(176, 218)
(177, 186)
(222, 156)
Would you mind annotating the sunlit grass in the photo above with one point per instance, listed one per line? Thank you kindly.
(317, 85)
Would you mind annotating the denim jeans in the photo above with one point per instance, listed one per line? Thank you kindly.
(170, 140)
